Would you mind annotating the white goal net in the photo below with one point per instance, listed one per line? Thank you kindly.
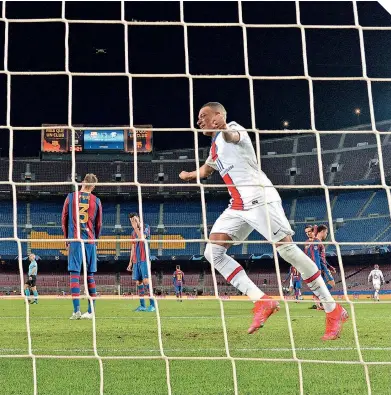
(328, 189)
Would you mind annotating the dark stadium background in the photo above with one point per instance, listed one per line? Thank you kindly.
(159, 49)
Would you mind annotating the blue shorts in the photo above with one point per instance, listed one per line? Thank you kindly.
(178, 289)
(75, 257)
(327, 276)
(296, 284)
(140, 271)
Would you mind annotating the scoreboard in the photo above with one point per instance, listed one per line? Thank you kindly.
(58, 138)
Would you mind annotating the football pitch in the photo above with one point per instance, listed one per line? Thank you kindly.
(192, 328)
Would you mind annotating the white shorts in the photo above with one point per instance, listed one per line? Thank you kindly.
(376, 286)
(239, 224)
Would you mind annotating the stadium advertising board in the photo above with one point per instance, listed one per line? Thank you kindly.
(54, 140)
(144, 139)
(59, 139)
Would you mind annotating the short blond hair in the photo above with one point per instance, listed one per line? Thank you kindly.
(90, 180)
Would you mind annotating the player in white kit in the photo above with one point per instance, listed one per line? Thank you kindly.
(376, 275)
(233, 155)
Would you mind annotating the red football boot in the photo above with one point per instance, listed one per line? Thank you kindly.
(262, 310)
(334, 323)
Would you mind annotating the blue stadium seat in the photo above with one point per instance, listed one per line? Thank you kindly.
(311, 206)
(378, 205)
(349, 204)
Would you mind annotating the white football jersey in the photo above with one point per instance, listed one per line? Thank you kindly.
(376, 276)
(237, 165)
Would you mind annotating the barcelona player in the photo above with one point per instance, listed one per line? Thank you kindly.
(326, 268)
(30, 284)
(85, 208)
(178, 279)
(138, 262)
(316, 251)
(294, 277)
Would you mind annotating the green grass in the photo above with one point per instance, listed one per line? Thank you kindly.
(191, 329)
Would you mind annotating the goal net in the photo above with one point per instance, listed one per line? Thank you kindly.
(215, 355)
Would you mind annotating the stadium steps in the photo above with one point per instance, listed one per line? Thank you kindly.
(161, 216)
(333, 202)
(293, 210)
(382, 233)
(366, 205)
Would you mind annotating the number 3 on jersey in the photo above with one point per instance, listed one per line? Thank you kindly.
(83, 212)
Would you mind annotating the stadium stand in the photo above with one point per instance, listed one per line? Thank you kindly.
(175, 213)
(362, 216)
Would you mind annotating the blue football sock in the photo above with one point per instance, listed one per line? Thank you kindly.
(35, 295)
(75, 291)
(151, 301)
(141, 293)
(27, 292)
(91, 290)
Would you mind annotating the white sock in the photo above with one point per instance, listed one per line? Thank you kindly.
(376, 295)
(310, 273)
(232, 271)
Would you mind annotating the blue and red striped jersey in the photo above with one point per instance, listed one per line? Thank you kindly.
(140, 253)
(178, 277)
(295, 274)
(316, 251)
(90, 216)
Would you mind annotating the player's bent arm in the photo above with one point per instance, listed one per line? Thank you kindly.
(205, 171)
(231, 136)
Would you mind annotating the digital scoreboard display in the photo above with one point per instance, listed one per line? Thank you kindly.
(104, 140)
(144, 139)
(58, 138)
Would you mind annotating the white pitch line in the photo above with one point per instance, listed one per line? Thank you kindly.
(5, 350)
(143, 316)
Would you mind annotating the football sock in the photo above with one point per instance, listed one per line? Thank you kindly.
(91, 289)
(232, 271)
(151, 301)
(27, 292)
(141, 293)
(310, 273)
(75, 291)
(35, 293)
(376, 296)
